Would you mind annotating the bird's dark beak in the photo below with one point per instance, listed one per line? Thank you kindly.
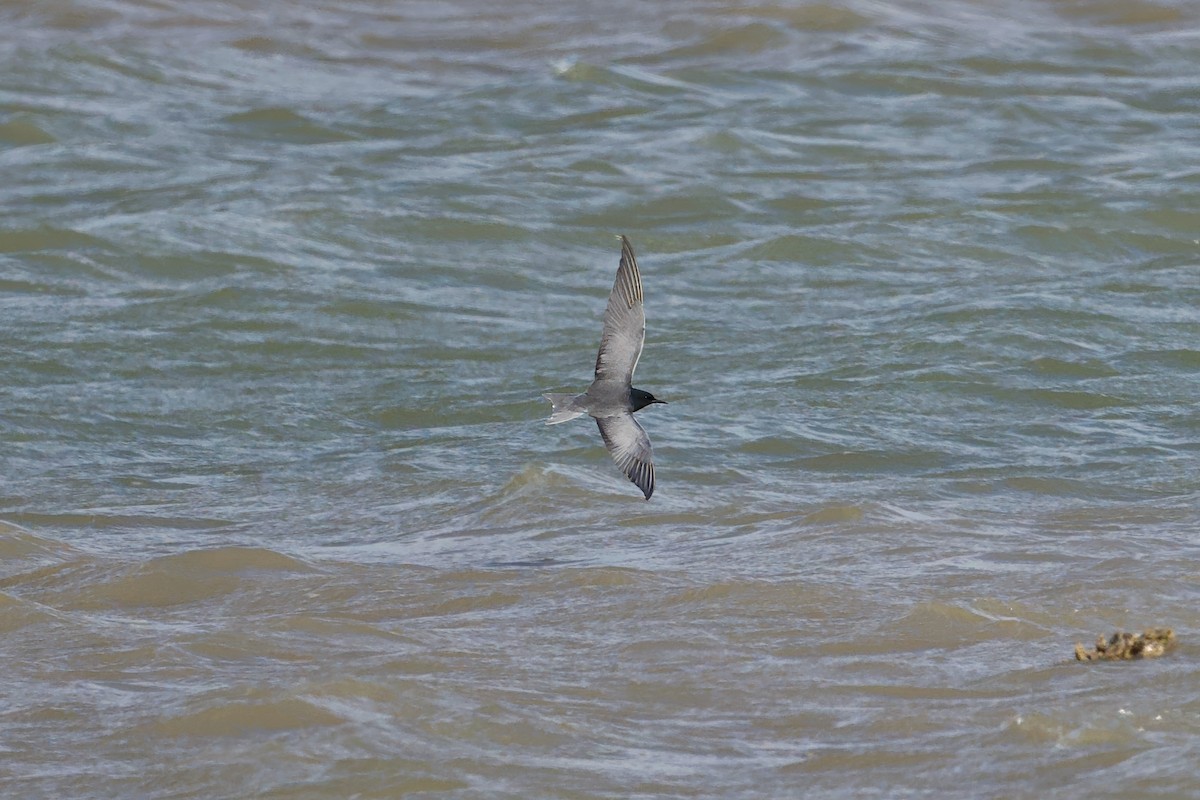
(664, 402)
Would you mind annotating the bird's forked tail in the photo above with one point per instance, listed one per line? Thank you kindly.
(565, 408)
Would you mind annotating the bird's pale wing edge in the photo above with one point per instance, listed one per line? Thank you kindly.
(629, 446)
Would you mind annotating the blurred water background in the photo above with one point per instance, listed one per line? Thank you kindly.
(281, 284)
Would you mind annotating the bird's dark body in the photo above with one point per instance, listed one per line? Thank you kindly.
(600, 401)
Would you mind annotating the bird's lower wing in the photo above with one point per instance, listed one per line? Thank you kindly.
(629, 446)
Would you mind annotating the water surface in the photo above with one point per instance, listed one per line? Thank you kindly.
(280, 287)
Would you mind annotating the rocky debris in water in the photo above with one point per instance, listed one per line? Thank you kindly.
(1127, 646)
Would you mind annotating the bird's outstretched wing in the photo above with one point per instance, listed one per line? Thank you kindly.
(629, 446)
(624, 323)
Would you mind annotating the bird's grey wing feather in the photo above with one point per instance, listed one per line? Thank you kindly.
(629, 446)
(624, 322)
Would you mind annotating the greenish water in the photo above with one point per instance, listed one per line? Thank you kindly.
(281, 286)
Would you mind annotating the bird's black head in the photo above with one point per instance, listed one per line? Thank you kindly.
(642, 399)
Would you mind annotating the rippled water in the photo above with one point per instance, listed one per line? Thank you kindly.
(280, 287)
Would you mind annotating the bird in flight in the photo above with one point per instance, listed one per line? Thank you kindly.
(611, 399)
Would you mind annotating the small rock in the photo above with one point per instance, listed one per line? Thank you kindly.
(1151, 643)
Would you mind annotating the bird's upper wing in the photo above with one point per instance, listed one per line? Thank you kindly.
(624, 322)
(629, 446)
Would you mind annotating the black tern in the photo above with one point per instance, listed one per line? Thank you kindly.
(611, 398)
